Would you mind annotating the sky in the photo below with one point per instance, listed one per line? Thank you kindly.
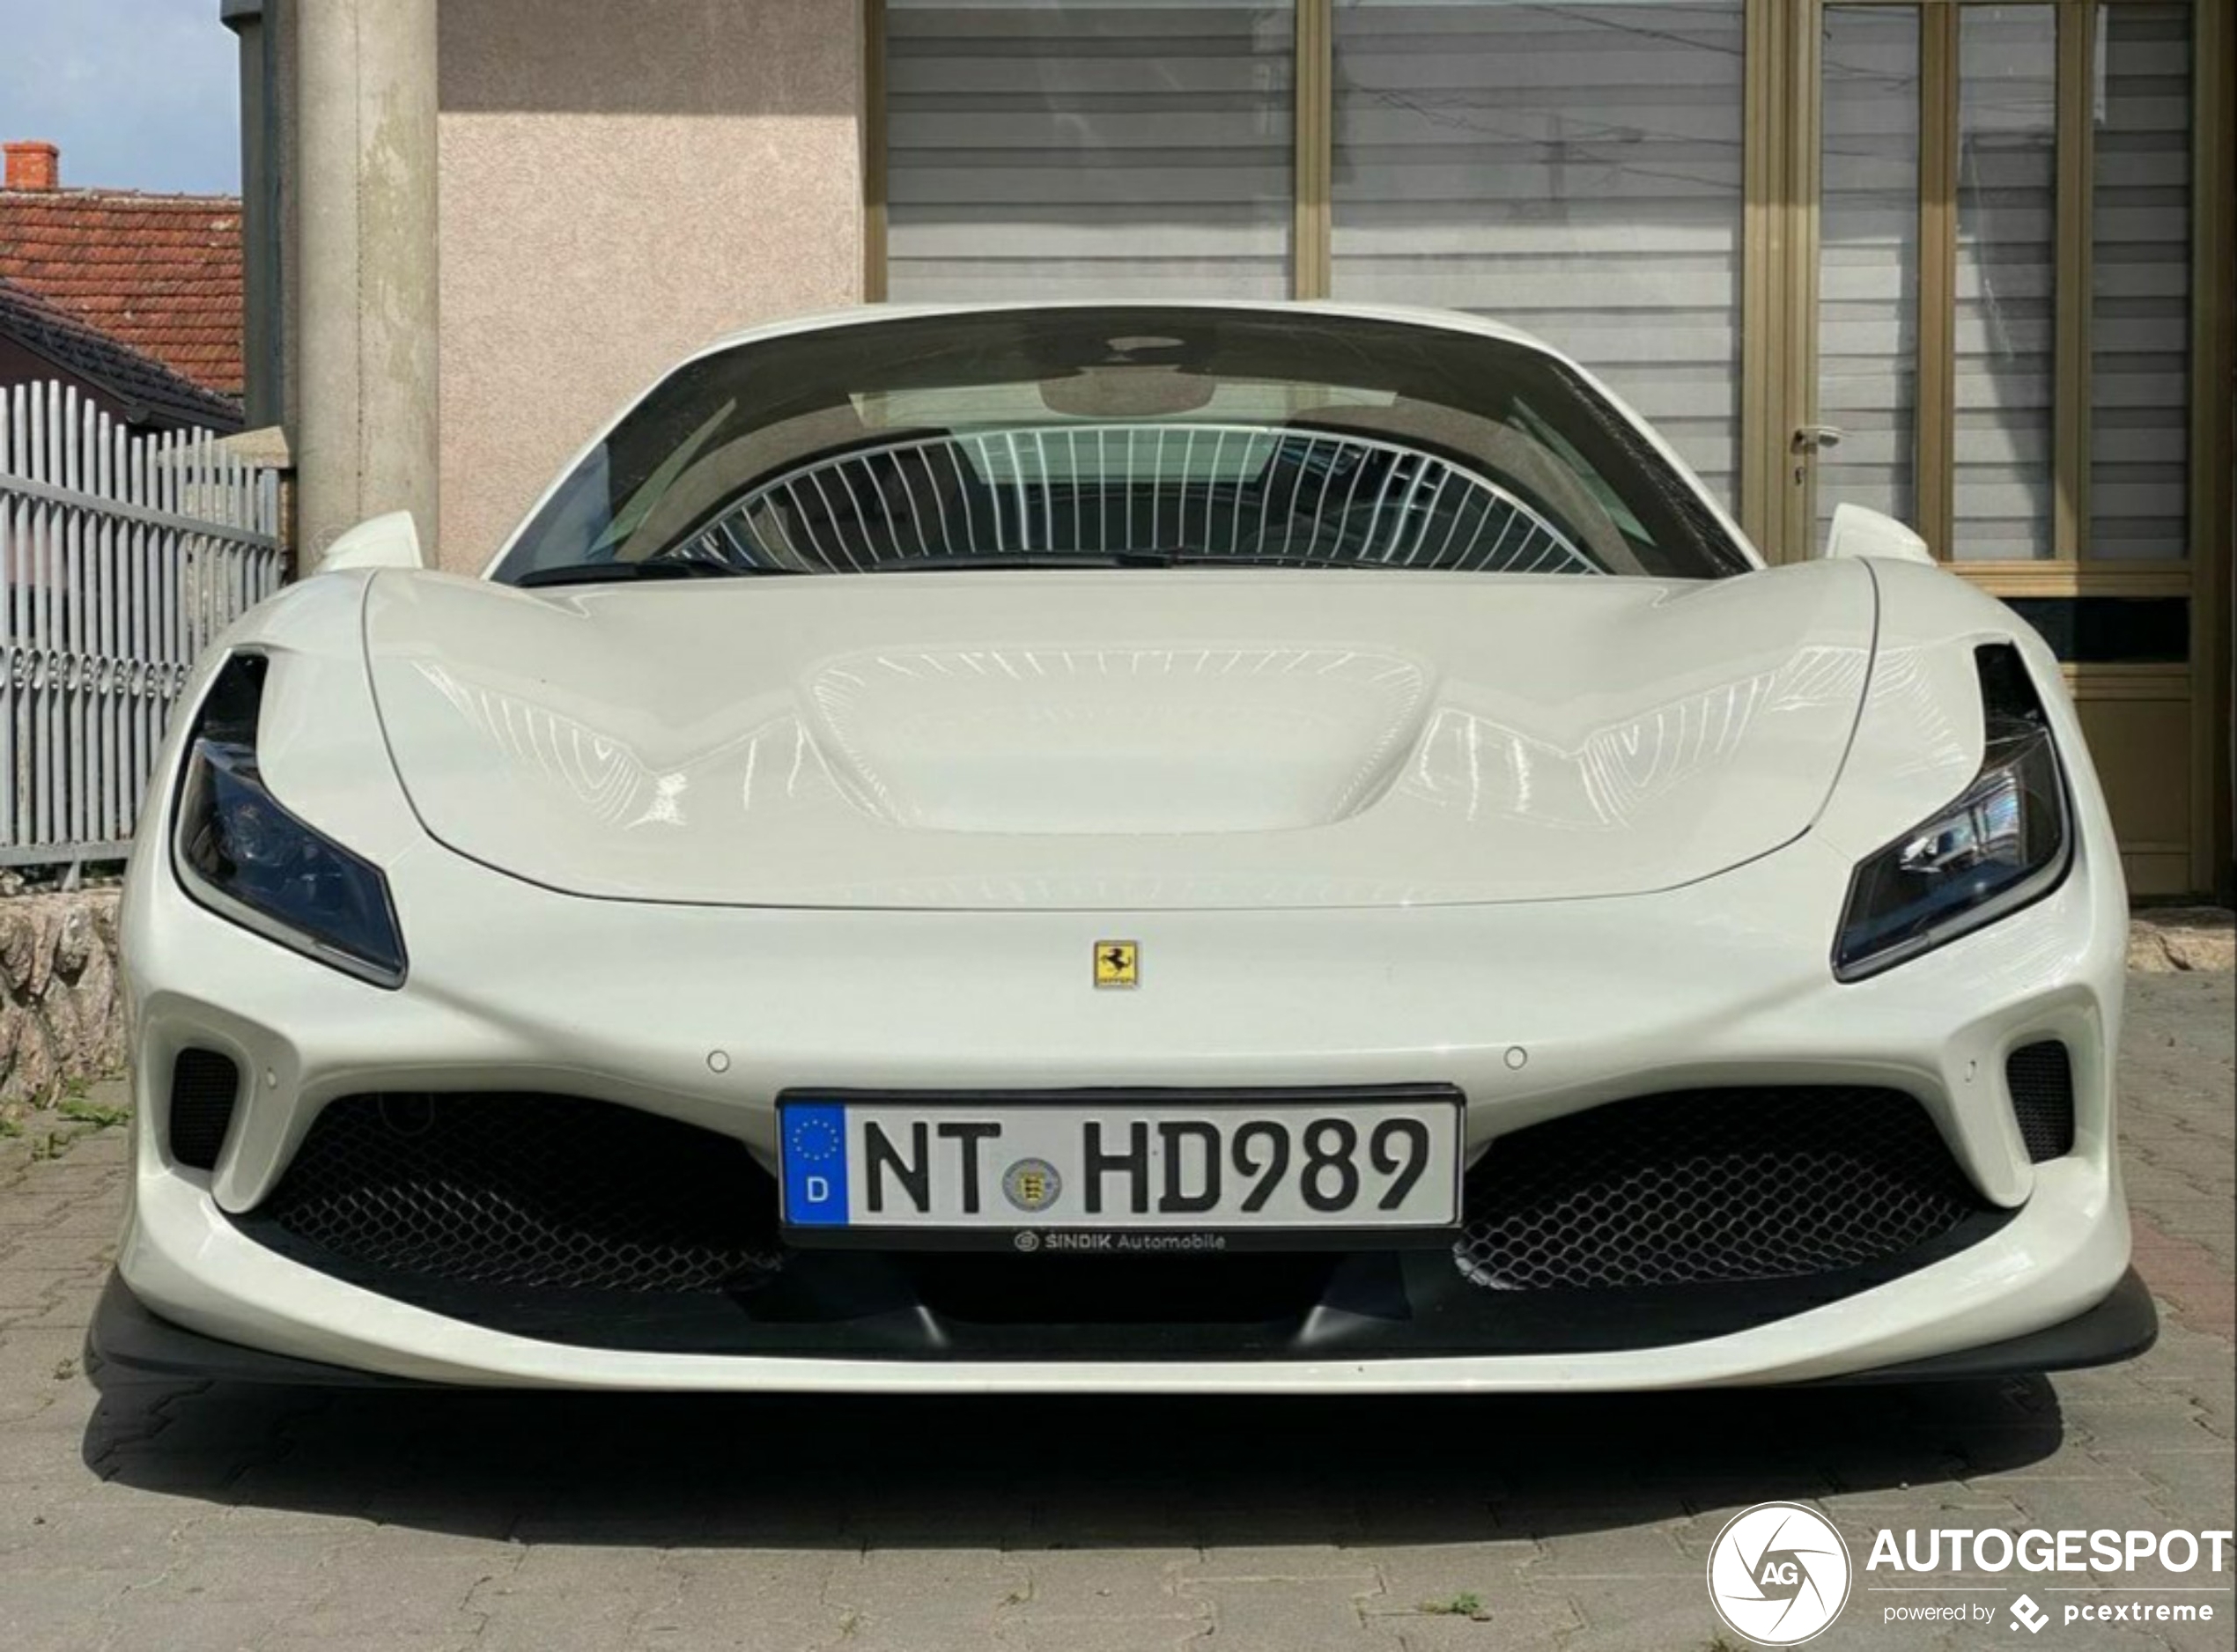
(139, 94)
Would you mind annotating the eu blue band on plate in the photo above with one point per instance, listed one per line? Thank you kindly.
(815, 1160)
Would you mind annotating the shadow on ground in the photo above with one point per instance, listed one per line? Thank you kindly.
(799, 1473)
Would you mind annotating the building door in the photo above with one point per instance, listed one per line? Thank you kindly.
(2010, 274)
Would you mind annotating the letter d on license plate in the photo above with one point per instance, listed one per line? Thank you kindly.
(1289, 1168)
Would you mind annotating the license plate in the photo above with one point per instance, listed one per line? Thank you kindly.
(1121, 1172)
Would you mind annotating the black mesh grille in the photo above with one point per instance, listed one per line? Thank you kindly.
(205, 1086)
(527, 1189)
(2041, 1078)
(1709, 1185)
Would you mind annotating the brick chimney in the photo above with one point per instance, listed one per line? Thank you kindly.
(34, 165)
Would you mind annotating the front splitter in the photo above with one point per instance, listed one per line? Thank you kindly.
(128, 1342)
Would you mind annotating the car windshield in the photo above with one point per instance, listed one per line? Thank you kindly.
(1120, 437)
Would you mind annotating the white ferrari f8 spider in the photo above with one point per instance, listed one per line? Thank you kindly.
(1205, 847)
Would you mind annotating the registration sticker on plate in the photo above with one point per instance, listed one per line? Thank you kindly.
(1297, 1168)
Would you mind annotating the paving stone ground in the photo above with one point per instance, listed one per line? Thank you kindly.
(181, 1518)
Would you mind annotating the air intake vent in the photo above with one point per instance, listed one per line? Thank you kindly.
(527, 1192)
(2041, 1079)
(1710, 1186)
(204, 1088)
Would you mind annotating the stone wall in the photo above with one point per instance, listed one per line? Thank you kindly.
(61, 1017)
(2183, 940)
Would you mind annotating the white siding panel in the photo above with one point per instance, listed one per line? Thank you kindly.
(1573, 170)
(1868, 260)
(1120, 150)
(2006, 263)
(2140, 292)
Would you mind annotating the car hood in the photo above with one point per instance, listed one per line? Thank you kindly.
(1125, 739)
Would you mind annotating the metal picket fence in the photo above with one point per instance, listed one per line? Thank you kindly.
(123, 555)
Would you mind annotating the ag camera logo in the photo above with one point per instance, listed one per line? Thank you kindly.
(1778, 1573)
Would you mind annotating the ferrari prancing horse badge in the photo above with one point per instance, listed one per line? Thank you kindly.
(1118, 963)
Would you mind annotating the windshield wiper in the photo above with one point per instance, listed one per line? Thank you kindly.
(614, 572)
(1246, 563)
(998, 560)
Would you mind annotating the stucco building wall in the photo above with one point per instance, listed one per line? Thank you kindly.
(618, 184)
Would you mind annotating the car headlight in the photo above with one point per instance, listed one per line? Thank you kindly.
(240, 853)
(2005, 840)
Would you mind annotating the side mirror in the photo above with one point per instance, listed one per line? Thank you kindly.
(384, 541)
(1857, 532)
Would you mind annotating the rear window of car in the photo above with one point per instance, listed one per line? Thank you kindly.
(1124, 436)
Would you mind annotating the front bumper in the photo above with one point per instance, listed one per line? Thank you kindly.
(2059, 1258)
(705, 1016)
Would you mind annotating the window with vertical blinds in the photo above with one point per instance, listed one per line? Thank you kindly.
(2007, 261)
(1868, 260)
(1088, 149)
(2139, 342)
(1573, 169)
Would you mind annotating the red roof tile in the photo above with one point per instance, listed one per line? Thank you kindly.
(163, 273)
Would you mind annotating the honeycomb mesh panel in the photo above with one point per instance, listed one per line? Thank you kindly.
(1702, 1186)
(205, 1086)
(514, 1189)
(2041, 1077)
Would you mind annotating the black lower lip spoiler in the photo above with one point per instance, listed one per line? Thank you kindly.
(128, 1343)
(2124, 1325)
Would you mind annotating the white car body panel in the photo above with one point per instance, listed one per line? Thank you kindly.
(384, 541)
(1590, 1012)
(686, 849)
(1126, 740)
